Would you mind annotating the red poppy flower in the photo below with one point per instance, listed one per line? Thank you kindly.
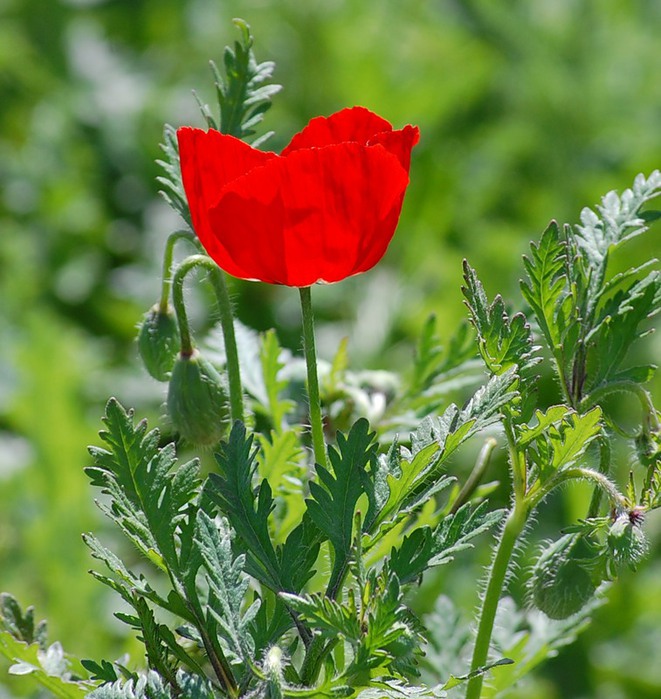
(322, 210)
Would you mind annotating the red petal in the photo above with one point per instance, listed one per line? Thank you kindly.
(318, 215)
(399, 143)
(355, 124)
(209, 161)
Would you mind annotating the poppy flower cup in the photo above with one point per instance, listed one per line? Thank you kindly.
(324, 209)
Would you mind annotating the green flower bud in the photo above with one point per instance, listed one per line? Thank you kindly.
(158, 342)
(565, 576)
(626, 540)
(197, 400)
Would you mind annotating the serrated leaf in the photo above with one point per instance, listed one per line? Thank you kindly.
(398, 486)
(174, 193)
(425, 548)
(333, 499)
(548, 286)
(228, 585)
(151, 686)
(562, 443)
(617, 220)
(48, 666)
(503, 342)
(328, 616)
(247, 508)
(149, 498)
(241, 96)
(270, 357)
(280, 461)
(618, 327)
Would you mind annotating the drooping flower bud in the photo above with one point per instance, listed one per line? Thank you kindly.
(197, 400)
(158, 342)
(565, 576)
(626, 540)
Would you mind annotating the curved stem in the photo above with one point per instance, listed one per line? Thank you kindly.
(180, 307)
(476, 474)
(514, 525)
(226, 321)
(604, 467)
(168, 255)
(310, 352)
(599, 479)
(636, 389)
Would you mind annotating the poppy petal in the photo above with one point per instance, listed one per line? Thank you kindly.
(353, 124)
(319, 214)
(209, 161)
(399, 143)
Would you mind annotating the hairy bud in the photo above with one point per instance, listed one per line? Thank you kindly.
(565, 576)
(626, 541)
(197, 401)
(158, 342)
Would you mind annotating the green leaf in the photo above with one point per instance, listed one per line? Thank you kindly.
(398, 485)
(48, 666)
(547, 284)
(148, 499)
(270, 357)
(329, 617)
(425, 548)
(228, 585)
(563, 441)
(242, 96)
(247, 508)
(333, 500)
(618, 327)
(21, 625)
(503, 342)
(616, 220)
(395, 689)
(151, 686)
(173, 188)
(281, 462)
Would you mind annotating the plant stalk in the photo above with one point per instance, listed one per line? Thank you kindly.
(514, 525)
(168, 256)
(314, 400)
(226, 321)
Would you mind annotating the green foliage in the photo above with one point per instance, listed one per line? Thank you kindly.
(242, 98)
(426, 548)
(333, 500)
(26, 646)
(272, 577)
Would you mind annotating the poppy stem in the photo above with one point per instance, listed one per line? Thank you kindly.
(310, 352)
(217, 280)
(168, 256)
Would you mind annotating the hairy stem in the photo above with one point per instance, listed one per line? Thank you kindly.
(217, 280)
(168, 255)
(514, 525)
(309, 350)
(476, 475)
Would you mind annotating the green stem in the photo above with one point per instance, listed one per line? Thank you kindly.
(186, 341)
(476, 474)
(599, 479)
(514, 525)
(231, 352)
(604, 467)
(226, 321)
(168, 256)
(316, 423)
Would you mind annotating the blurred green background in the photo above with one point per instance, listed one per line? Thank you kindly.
(528, 111)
